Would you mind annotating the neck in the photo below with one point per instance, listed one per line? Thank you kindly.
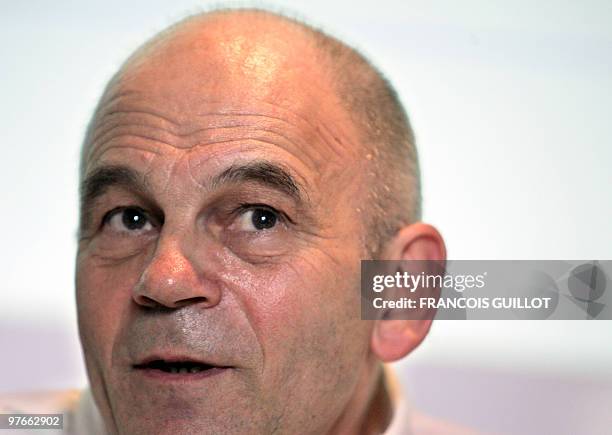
(370, 410)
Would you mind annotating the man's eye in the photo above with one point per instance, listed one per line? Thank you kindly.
(257, 219)
(128, 220)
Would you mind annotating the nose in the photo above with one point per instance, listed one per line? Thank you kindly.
(171, 280)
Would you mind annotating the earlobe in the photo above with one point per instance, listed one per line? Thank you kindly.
(394, 339)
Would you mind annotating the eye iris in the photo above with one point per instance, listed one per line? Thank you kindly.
(263, 219)
(133, 219)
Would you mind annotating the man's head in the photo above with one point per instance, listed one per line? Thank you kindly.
(238, 168)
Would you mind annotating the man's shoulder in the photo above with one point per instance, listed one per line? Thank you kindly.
(408, 420)
(42, 402)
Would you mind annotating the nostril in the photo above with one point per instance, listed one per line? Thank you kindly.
(191, 301)
(171, 281)
(146, 301)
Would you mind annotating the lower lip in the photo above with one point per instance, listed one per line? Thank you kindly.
(160, 375)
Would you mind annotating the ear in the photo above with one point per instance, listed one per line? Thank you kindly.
(394, 339)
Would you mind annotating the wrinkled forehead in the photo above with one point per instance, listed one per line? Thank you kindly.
(221, 71)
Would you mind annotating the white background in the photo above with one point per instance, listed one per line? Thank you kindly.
(511, 104)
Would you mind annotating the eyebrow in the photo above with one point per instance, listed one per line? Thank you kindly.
(262, 172)
(96, 184)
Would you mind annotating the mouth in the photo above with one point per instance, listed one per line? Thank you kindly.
(177, 368)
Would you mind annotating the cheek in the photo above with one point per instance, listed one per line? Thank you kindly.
(103, 293)
(315, 344)
(306, 313)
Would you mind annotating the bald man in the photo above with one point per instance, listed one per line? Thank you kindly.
(237, 169)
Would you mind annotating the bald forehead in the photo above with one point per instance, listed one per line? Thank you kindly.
(237, 63)
(226, 60)
(231, 52)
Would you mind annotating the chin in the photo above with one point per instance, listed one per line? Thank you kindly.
(179, 417)
(171, 427)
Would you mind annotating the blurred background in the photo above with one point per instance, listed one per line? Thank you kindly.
(511, 104)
